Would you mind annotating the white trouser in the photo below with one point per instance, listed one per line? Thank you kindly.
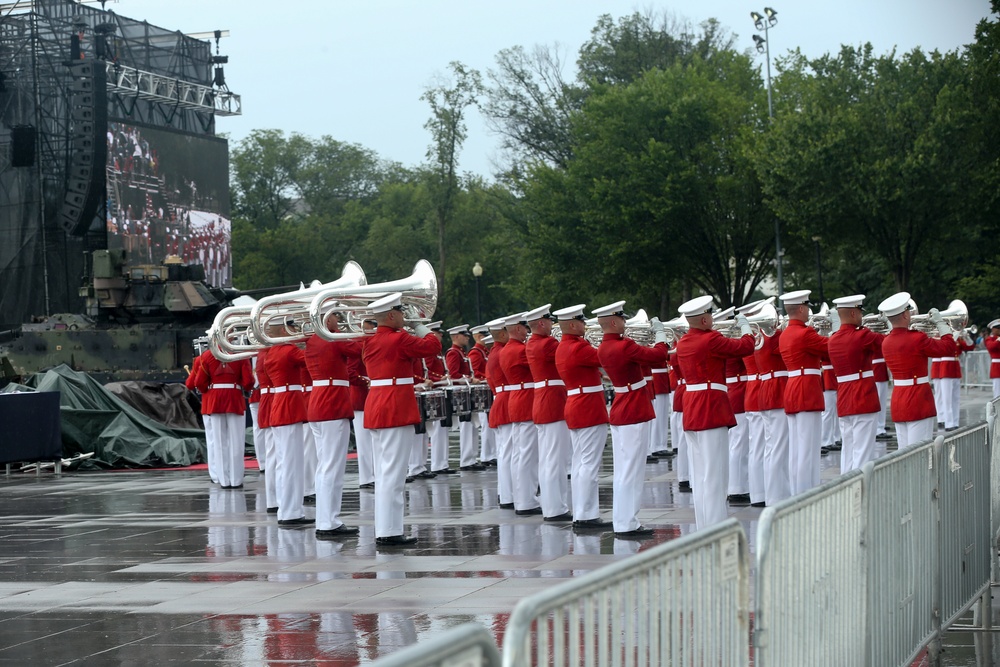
(309, 462)
(505, 475)
(212, 448)
(418, 450)
(271, 478)
(755, 457)
(629, 456)
(466, 443)
(996, 387)
(332, 438)
(739, 455)
(392, 448)
(709, 474)
(677, 435)
(951, 394)
(803, 450)
(914, 433)
(883, 394)
(660, 429)
(524, 465)
(938, 399)
(776, 484)
(487, 438)
(588, 448)
(288, 457)
(438, 435)
(258, 442)
(229, 431)
(859, 440)
(363, 443)
(554, 445)
(831, 428)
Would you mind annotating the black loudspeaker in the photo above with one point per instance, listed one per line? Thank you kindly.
(86, 171)
(22, 141)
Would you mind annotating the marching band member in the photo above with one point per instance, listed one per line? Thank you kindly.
(906, 353)
(434, 371)
(950, 382)
(478, 357)
(708, 414)
(586, 416)
(391, 410)
(357, 375)
(755, 421)
(739, 435)
(992, 343)
(309, 456)
(254, 403)
(210, 456)
(830, 424)
(499, 417)
(459, 369)
(803, 351)
(660, 429)
(264, 423)
(548, 414)
(882, 387)
(631, 414)
(677, 423)
(851, 350)
(773, 375)
(524, 437)
(222, 405)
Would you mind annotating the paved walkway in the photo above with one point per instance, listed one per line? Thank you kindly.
(163, 568)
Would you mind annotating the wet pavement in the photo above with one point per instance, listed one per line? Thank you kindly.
(164, 568)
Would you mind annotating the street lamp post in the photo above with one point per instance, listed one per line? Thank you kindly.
(763, 23)
(477, 271)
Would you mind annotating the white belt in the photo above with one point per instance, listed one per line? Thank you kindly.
(705, 386)
(995, 361)
(855, 376)
(945, 359)
(282, 390)
(499, 389)
(804, 371)
(751, 378)
(222, 386)
(585, 390)
(331, 383)
(667, 370)
(309, 388)
(648, 378)
(878, 361)
(631, 387)
(518, 387)
(827, 367)
(733, 380)
(549, 383)
(910, 382)
(388, 382)
(764, 377)
(745, 378)
(265, 390)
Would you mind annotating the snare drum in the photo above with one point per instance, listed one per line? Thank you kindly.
(482, 398)
(433, 405)
(461, 399)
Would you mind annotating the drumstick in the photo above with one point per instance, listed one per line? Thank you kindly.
(188, 369)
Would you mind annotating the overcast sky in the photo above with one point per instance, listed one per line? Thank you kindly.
(355, 69)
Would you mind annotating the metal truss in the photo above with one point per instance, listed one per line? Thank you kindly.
(126, 80)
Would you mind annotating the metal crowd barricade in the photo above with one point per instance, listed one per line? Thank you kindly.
(685, 602)
(811, 564)
(469, 645)
(993, 430)
(976, 369)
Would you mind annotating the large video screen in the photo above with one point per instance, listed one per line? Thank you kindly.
(168, 196)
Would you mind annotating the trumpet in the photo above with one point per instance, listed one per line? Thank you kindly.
(956, 316)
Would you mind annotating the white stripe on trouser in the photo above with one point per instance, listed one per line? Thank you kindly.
(258, 443)
(629, 457)
(363, 446)
(466, 443)
(418, 450)
(505, 481)
(332, 438)
(803, 450)
(859, 440)
(212, 448)
(938, 399)
(554, 446)
(996, 387)
(709, 474)
(776, 484)
(524, 465)
(392, 448)
(229, 432)
(680, 444)
(661, 423)
(288, 456)
(883, 393)
(914, 433)
(951, 394)
(739, 454)
(271, 478)
(309, 459)
(755, 458)
(831, 428)
(588, 448)
(487, 438)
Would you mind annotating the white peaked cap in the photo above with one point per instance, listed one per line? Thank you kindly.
(434, 326)
(538, 313)
(616, 308)
(895, 304)
(488, 340)
(460, 329)
(482, 328)
(495, 325)
(853, 301)
(571, 313)
(386, 303)
(796, 297)
(751, 307)
(511, 320)
(697, 306)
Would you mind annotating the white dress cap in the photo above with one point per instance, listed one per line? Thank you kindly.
(511, 320)
(571, 313)
(482, 328)
(853, 301)
(386, 303)
(895, 304)
(993, 324)
(538, 313)
(495, 325)
(488, 340)
(697, 306)
(615, 308)
(434, 326)
(460, 329)
(723, 314)
(796, 297)
(751, 307)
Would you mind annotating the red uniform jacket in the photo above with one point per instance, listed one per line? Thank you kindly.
(622, 360)
(357, 375)
(702, 357)
(878, 363)
(736, 382)
(906, 353)
(750, 403)
(829, 376)
(389, 355)
(477, 361)
(264, 382)
(285, 364)
(255, 392)
(326, 361)
(514, 362)
(210, 372)
(457, 363)
(580, 367)
(771, 373)
(992, 344)
(496, 379)
(803, 351)
(435, 367)
(189, 380)
(851, 351)
(661, 377)
(951, 366)
(549, 403)
(676, 382)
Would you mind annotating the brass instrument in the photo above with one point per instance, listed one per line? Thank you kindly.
(825, 321)
(639, 329)
(876, 322)
(956, 316)
(765, 322)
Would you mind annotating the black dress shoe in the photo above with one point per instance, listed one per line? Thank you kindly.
(738, 499)
(759, 503)
(685, 486)
(534, 510)
(367, 485)
(883, 436)
(301, 521)
(823, 451)
(309, 500)
(593, 524)
(663, 454)
(444, 471)
(343, 530)
(506, 506)
(427, 474)
(639, 533)
(560, 518)
(395, 541)
(410, 478)
(652, 459)
(272, 510)
(492, 463)
(474, 466)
